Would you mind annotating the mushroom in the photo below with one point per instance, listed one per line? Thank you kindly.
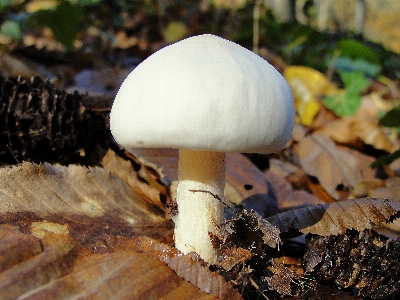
(205, 96)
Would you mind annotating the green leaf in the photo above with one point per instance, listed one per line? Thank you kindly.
(343, 104)
(346, 104)
(357, 50)
(353, 65)
(5, 3)
(88, 2)
(386, 160)
(11, 29)
(355, 82)
(63, 21)
(391, 118)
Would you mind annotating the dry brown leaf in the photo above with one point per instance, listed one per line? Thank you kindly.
(140, 177)
(336, 218)
(189, 269)
(352, 131)
(321, 158)
(73, 195)
(365, 188)
(325, 116)
(284, 193)
(248, 231)
(371, 133)
(363, 128)
(243, 178)
(72, 212)
(391, 190)
(166, 159)
(16, 247)
(56, 267)
(339, 130)
(53, 262)
(11, 66)
(234, 256)
(281, 278)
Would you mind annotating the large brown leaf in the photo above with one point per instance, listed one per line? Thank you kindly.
(336, 218)
(144, 179)
(72, 194)
(283, 191)
(191, 270)
(70, 221)
(243, 178)
(58, 268)
(321, 158)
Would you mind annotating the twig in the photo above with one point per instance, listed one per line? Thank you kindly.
(216, 197)
(256, 25)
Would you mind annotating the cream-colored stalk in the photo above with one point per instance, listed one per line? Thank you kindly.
(201, 176)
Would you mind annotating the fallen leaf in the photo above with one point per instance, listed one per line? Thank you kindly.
(232, 4)
(57, 267)
(53, 262)
(233, 257)
(283, 191)
(281, 278)
(142, 178)
(123, 41)
(16, 247)
(73, 195)
(243, 178)
(191, 270)
(308, 86)
(365, 188)
(321, 158)
(11, 66)
(251, 232)
(389, 190)
(352, 131)
(33, 7)
(74, 218)
(336, 218)
(175, 31)
(363, 128)
(299, 180)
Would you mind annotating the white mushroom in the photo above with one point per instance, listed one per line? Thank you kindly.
(205, 96)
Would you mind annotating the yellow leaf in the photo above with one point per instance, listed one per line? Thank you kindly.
(308, 86)
(232, 4)
(37, 5)
(306, 111)
(175, 31)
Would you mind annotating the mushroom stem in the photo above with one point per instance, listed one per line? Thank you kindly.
(201, 176)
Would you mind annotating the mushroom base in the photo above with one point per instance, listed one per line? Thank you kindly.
(199, 194)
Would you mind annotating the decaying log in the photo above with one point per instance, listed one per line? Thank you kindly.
(40, 123)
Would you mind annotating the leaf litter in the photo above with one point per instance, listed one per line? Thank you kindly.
(98, 227)
(82, 197)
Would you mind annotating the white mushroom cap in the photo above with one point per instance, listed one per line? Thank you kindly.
(204, 93)
(205, 96)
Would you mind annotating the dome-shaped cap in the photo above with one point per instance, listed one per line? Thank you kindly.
(204, 93)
